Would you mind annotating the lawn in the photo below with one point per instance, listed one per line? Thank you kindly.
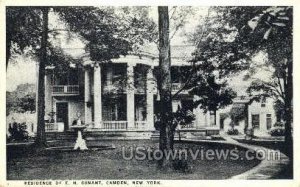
(25, 164)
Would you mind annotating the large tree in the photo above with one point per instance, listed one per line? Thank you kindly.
(274, 31)
(41, 135)
(23, 31)
(164, 84)
(214, 61)
(254, 30)
(108, 36)
(270, 30)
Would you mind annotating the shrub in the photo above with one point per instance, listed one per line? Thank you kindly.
(278, 124)
(277, 132)
(232, 132)
(17, 132)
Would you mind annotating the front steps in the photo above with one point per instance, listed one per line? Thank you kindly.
(98, 135)
(128, 135)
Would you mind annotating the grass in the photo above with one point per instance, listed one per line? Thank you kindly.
(23, 163)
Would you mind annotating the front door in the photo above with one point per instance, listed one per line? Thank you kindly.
(62, 114)
(222, 123)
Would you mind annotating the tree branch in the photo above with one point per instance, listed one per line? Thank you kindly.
(280, 87)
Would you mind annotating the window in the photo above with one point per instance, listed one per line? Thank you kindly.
(114, 108)
(175, 75)
(269, 121)
(140, 107)
(255, 121)
(212, 118)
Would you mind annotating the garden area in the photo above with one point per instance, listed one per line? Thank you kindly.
(25, 163)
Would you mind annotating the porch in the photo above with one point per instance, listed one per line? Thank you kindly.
(106, 126)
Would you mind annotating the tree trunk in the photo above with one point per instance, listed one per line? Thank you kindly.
(8, 52)
(288, 108)
(246, 118)
(164, 85)
(41, 135)
(215, 120)
(9, 32)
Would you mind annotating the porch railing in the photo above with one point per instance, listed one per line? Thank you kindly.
(65, 89)
(115, 125)
(51, 127)
(140, 124)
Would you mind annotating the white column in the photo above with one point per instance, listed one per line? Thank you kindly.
(218, 119)
(207, 119)
(197, 114)
(87, 97)
(249, 117)
(97, 97)
(130, 97)
(36, 96)
(150, 99)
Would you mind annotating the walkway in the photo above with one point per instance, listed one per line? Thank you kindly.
(267, 168)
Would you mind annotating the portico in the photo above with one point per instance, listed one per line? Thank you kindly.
(119, 100)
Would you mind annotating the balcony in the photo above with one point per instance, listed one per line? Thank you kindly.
(65, 90)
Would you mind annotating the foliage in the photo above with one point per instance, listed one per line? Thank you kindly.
(17, 132)
(279, 131)
(183, 116)
(232, 132)
(213, 95)
(278, 124)
(268, 30)
(279, 109)
(245, 32)
(109, 32)
(237, 113)
(60, 61)
(214, 60)
(23, 30)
